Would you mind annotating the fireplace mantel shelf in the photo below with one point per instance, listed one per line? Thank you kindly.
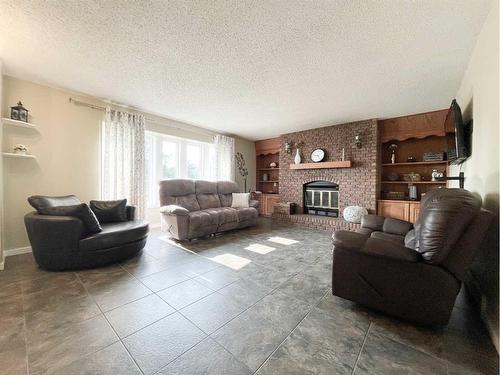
(323, 165)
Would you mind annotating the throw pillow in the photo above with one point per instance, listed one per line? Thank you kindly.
(42, 201)
(241, 200)
(80, 211)
(110, 211)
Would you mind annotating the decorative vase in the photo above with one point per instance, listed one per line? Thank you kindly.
(297, 157)
(353, 214)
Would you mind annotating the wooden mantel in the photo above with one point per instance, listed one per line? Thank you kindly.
(323, 165)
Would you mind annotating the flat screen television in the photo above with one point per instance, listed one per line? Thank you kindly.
(458, 135)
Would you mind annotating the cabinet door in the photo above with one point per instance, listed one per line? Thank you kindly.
(414, 211)
(396, 210)
(271, 201)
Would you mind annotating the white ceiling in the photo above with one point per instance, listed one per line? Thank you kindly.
(256, 69)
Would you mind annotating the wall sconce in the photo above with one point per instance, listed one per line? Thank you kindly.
(357, 140)
(288, 147)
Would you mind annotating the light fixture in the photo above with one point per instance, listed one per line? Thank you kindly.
(288, 147)
(357, 140)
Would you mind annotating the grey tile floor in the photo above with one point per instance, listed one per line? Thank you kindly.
(251, 301)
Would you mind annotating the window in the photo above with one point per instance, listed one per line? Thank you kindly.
(172, 157)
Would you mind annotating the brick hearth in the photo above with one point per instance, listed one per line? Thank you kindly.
(357, 185)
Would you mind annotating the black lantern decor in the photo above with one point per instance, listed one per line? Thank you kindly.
(19, 112)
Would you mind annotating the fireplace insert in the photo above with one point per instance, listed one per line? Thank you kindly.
(321, 198)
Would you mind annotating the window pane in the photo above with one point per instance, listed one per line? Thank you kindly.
(169, 163)
(193, 158)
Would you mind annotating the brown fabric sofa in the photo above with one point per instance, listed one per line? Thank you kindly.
(420, 281)
(197, 208)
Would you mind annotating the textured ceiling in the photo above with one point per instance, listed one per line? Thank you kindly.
(251, 68)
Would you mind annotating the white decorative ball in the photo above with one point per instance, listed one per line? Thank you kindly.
(353, 214)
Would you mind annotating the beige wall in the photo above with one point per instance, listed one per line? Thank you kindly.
(67, 147)
(1, 178)
(479, 99)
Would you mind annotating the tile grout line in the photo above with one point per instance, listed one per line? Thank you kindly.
(25, 331)
(290, 333)
(110, 325)
(362, 346)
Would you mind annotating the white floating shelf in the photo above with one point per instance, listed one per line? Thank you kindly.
(19, 156)
(21, 124)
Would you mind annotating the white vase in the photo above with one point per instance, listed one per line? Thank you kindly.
(297, 157)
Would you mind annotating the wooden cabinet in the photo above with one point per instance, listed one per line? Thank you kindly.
(414, 126)
(414, 211)
(271, 200)
(266, 203)
(267, 153)
(268, 146)
(402, 210)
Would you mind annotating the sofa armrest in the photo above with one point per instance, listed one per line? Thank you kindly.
(349, 240)
(53, 234)
(174, 210)
(396, 226)
(254, 203)
(390, 250)
(354, 241)
(130, 213)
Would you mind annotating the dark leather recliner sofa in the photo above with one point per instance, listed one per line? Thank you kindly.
(59, 242)
(415, 276)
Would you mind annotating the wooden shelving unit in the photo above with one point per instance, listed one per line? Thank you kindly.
(21, 124)
(323, 165)
(268, 151)
(414, 135)
(15, 124)
(18, 156)
(414, 163)
(415, 182)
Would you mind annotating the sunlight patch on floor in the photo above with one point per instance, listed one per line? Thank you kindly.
(282, 240)
(232, 261)
(259, 248)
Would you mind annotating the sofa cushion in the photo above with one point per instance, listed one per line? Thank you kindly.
(208, 201)
(396, 238)
(240, 200)
(110, 211)
(202, 218)
(224, 214)
(180, 192)
(206, 194)
(372, 222)
(245, 214)
(115, 234)
(225, 189)
(444, 217)
(80, 211)
(42, 201)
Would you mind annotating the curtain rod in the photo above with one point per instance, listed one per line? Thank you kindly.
(153, 120)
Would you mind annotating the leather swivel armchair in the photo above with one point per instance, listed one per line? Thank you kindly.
(416, 277)
(60, 243)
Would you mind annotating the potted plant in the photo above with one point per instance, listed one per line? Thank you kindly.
(242, 169)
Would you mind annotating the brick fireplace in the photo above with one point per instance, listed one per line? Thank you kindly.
(356, 185)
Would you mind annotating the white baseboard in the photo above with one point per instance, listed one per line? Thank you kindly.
(16, 251)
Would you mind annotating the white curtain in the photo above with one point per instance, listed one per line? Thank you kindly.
(223, 158)
(123, 159)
